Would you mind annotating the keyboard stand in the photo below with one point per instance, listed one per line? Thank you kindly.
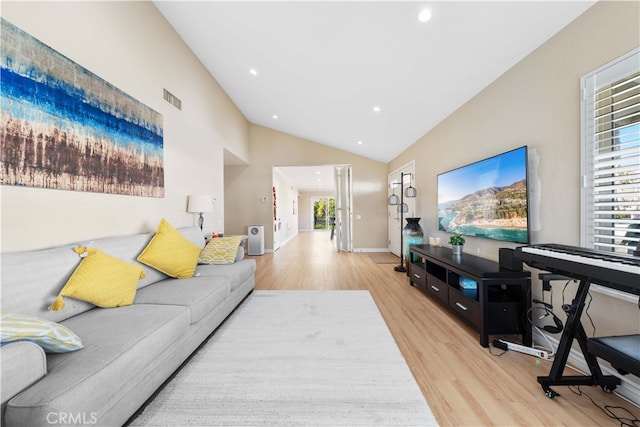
(574, 330)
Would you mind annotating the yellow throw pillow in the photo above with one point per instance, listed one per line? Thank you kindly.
(102, 280)
(171, 253)
(51, 336)
(221, 250)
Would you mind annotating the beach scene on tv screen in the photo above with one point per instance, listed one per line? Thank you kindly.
(486, 199)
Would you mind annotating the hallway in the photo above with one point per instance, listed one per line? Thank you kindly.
(308, 261)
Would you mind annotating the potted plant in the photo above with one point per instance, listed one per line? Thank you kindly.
(457, 241)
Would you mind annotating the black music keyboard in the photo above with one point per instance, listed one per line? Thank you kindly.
(620, 272)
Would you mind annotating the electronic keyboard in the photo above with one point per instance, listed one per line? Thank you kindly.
(620, 272)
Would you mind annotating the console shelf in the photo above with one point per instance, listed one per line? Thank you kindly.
(497, 304)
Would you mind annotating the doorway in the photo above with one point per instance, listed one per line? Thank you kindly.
(329, 186)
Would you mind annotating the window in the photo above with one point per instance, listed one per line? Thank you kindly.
(611, 156)
(324, 212)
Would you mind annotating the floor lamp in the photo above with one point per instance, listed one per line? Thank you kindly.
(410, 192)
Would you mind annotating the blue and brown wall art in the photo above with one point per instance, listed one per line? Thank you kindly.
(63, 127)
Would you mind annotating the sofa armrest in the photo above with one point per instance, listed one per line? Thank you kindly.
(22, 363)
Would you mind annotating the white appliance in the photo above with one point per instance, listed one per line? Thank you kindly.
(256, 240)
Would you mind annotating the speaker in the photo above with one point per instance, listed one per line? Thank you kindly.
(255, 244)
(508, 260)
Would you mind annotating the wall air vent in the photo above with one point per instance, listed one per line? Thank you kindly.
(172, 99)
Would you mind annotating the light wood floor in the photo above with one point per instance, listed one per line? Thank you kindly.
(464, 383)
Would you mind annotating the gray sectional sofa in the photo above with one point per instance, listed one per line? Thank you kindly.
(128, 351)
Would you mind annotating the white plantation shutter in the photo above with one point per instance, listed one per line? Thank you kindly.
(611, 156)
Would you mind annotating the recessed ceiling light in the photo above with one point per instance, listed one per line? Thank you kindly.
(424, 15)
(317, 172)
(275, 116)
(359, 142)
(253, 71)
(376, 108)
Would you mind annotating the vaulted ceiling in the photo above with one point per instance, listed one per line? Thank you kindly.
(366, 77)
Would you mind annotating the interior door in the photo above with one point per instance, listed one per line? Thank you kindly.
(343, 232)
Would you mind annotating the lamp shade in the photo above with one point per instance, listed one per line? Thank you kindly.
(410, 192)
(197, 204)
(393, 199)
(403, 207)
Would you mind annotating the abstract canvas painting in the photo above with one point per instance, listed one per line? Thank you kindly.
(63, 127)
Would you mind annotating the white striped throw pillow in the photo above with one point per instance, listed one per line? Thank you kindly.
(51, 336)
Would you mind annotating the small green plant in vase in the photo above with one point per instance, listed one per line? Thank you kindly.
(456, 241)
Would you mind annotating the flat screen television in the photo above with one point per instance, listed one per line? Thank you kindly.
(487, 199)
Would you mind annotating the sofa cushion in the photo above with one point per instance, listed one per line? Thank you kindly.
(237, 273)
(51, 336)
(240, 253)
(221, 250)
(120, 343)
(23, 363)
(194, 235)
(101, 280)
(127, 248)
(29, 290)
(170, 252)
(201, 295)
(31, 280)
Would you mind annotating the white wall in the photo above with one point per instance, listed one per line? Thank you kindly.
(130, 45)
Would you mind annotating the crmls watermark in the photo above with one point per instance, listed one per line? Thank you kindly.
(72, 418)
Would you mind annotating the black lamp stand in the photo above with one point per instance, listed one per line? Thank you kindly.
(401, 268)
(200, 219)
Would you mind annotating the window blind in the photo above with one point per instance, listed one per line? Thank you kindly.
(611, 157)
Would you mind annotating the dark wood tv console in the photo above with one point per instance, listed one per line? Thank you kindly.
(498, 305)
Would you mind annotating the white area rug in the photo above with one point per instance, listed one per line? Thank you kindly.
(295, 358)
